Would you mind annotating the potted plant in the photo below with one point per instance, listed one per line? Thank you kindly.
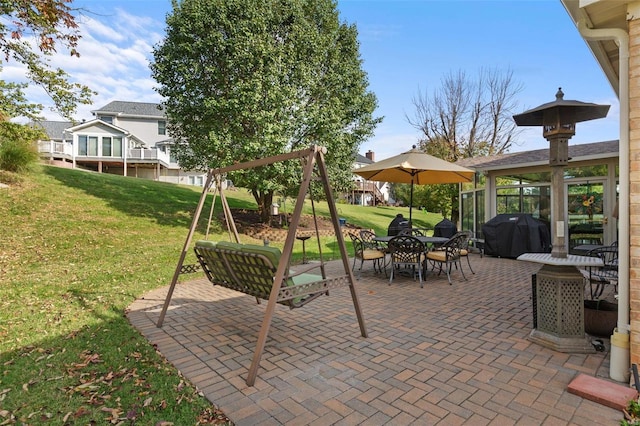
(600, 317)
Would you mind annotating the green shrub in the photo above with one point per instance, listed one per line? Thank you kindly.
(17, 150)
(17, 156)
(631, 414)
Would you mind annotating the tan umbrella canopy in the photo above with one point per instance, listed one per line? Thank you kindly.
(415, 167)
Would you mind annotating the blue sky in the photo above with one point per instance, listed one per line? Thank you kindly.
(407, 46)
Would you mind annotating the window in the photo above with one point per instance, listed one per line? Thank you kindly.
(162, 127)
(88, 145)
(586, 171)
(117, 146)
(534, 200)
(92, 146)
(472, 216)
(106, 146)
(466, 215)
(82, 145)
(112, 146)
(480, 214)
(196, 180)
(106, 118)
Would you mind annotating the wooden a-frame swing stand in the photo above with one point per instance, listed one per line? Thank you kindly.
(311, 158)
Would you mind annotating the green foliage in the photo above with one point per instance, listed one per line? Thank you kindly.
(245, 80)
(632, 414)
(17, 150)
(52, 25)
(434, 198)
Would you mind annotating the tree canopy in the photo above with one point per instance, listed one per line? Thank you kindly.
(246, 79)
(30, 32)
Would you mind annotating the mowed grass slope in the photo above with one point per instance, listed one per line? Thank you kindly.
(76, 249)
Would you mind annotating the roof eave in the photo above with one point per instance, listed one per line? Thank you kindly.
(589, 11)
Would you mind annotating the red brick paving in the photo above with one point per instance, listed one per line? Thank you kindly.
(443, 354)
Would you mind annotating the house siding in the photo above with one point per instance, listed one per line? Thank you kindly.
(144, 152)
(634, 177)
(145, 129)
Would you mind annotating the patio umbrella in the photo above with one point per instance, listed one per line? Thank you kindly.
(416, 168)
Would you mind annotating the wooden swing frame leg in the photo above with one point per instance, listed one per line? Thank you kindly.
(311, 157)
(186, 246)
(286, 253)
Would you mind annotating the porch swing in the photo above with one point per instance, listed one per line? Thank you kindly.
(261, 271)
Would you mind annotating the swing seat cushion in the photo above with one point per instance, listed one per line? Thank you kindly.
(252, 281)
(271, 253)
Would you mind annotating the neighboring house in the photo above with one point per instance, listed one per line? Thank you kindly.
(125, 138)
(367, 192)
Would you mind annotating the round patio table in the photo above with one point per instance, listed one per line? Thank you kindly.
(424, 240)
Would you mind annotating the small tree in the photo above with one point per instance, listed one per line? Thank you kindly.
(248, 79)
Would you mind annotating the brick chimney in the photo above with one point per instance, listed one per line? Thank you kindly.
(370, 155)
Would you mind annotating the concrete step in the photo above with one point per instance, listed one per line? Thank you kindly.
(610, 394)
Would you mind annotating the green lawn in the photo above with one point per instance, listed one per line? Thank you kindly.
(76, 249)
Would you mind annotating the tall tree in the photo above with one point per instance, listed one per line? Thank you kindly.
(30, 32)
(467, 118)
(245, 79)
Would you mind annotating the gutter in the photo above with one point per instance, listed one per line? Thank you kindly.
(619, 364)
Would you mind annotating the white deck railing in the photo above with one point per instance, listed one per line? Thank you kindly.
(51, 147)
(147, 154)
(62, 148)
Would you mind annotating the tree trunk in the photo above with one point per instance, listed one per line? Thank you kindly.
(264, 201)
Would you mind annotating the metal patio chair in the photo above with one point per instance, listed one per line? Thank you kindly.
(362, 253)
(601, 276)
(448, 255)
(409, 252)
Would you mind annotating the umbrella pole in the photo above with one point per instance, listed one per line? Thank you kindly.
(411, 204)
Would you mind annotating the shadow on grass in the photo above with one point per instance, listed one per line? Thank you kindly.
(165, 203)
(96, 375)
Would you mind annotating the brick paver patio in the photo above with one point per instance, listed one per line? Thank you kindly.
(443, 354)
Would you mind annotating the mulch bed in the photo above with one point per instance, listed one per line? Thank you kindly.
(248, 222)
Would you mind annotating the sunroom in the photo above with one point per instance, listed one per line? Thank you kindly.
(520, 182)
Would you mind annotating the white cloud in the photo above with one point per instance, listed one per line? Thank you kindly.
(115, 52)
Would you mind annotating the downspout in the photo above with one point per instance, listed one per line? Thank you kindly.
(619, 364)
